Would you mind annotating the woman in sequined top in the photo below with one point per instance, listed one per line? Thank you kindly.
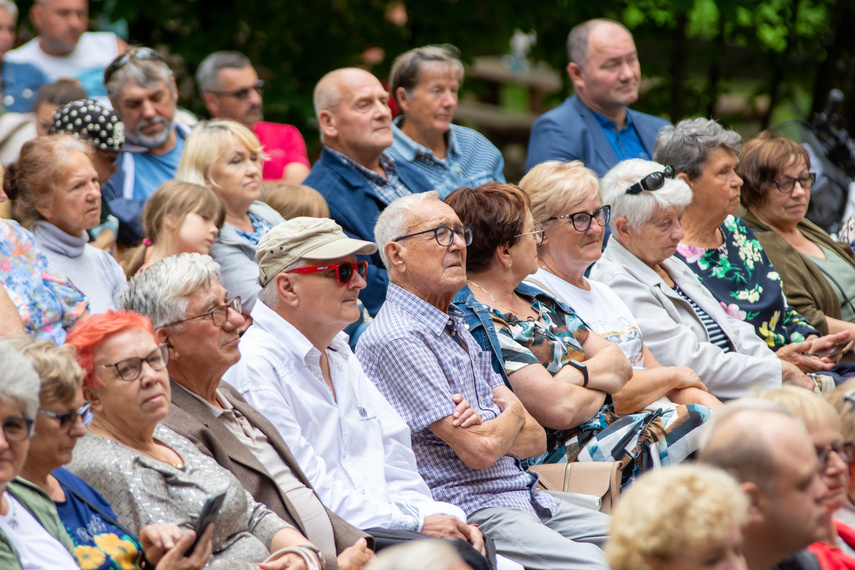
(227, 157)
(150, 474)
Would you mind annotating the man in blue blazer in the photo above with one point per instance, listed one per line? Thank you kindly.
(354, 174)
(595, 125)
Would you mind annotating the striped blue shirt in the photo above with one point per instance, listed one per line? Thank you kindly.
(471, 160)
(717, 336)
(411, 356)
(387, 189)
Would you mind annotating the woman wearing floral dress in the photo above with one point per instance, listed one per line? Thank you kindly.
(724, 253)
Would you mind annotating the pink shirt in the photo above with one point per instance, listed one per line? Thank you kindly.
(283, 144)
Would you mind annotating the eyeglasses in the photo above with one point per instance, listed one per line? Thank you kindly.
(69, 419)
(444, 236)
(219, 314)
(142, 53)
(344, 271)
(242, 94)
(17, 429)
(130, 369)
(582, 220)
(786, 184)
(845, 451)
(653, 181)
(537, 233)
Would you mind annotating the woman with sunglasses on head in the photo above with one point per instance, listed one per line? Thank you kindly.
(149, 473)
(31, 534)
(725, 254)
(682, 323)
(818, 273)
(565, 198)
(100, 541)
(226, 157)
(564, 374)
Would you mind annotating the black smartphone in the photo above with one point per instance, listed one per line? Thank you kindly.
(208, 515)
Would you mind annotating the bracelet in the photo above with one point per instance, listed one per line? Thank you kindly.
(320, 555)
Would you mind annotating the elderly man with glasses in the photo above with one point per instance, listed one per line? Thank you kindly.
(143, 93)
(420, 354)
(193, 316)
(298, 370)
(232, 90)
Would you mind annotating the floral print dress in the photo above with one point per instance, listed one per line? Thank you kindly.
(48, 303)
(739, 274)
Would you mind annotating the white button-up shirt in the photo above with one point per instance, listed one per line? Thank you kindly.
(353, 447)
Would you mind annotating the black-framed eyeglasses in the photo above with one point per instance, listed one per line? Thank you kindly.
(17, 429)
(129, 369)
(344, 271)
(537, 232)
(653, 181)
(845, 450)
(69, 419)
(142, 53)
(786, 184)
(582, 220)
(219, 314)
(444, 235)
(242, 94)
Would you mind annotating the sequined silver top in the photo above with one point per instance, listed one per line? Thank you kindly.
(145, 491)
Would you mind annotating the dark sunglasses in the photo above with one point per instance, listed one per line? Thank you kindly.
(242, 94)
(17, 429)
(69, 419)
(653, 181)
(343, 271)
(142, 53)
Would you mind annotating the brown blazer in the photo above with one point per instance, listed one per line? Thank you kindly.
(189, 417)
(806, 287)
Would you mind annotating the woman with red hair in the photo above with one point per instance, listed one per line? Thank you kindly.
(149, 473)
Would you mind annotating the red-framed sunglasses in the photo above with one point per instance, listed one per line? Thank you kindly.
(343, 271)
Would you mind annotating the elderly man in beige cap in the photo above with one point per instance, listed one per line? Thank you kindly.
(297, 369)
(201, 323)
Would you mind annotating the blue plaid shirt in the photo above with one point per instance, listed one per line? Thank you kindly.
(409, 353)
(387, 189)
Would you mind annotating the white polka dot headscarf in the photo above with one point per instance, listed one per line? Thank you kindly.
(94, 123)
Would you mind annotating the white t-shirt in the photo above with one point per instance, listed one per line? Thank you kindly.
(37, 549)
(601, 309)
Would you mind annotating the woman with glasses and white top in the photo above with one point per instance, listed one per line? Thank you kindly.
(31, 534)
(682, 323)
(565, 198)
(100, 541)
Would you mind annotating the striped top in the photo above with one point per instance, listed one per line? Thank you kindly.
(471, 160)
(717, 336)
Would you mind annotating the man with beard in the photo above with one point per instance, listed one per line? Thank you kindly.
(232, 90)
(142, 90)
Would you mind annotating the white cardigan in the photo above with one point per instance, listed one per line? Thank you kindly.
(675, 334)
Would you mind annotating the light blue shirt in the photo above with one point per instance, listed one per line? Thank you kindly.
(152, 170)
(625, 141)
(471, 161)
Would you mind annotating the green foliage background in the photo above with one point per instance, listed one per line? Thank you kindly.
(789, 51)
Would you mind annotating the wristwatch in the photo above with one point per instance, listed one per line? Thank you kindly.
(580, 366)
(317, 553)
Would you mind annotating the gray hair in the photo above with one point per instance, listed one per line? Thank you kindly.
(744, 453)
(393, 221)
(687, 146)
(208, 74)
(19, 381)
(11, 7)
(161, 291)
(577, 39)
(328, 94)
(146, 73)
(639, 208)
(268, 294)
(407, 68)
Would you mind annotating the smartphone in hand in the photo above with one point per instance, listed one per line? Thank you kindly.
(208, 515)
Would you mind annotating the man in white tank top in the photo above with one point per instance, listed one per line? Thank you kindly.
(63, 48)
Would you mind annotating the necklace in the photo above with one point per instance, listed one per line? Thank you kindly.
(517, 298)
(484, 290)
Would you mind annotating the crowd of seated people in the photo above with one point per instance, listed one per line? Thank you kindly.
(390, 348)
